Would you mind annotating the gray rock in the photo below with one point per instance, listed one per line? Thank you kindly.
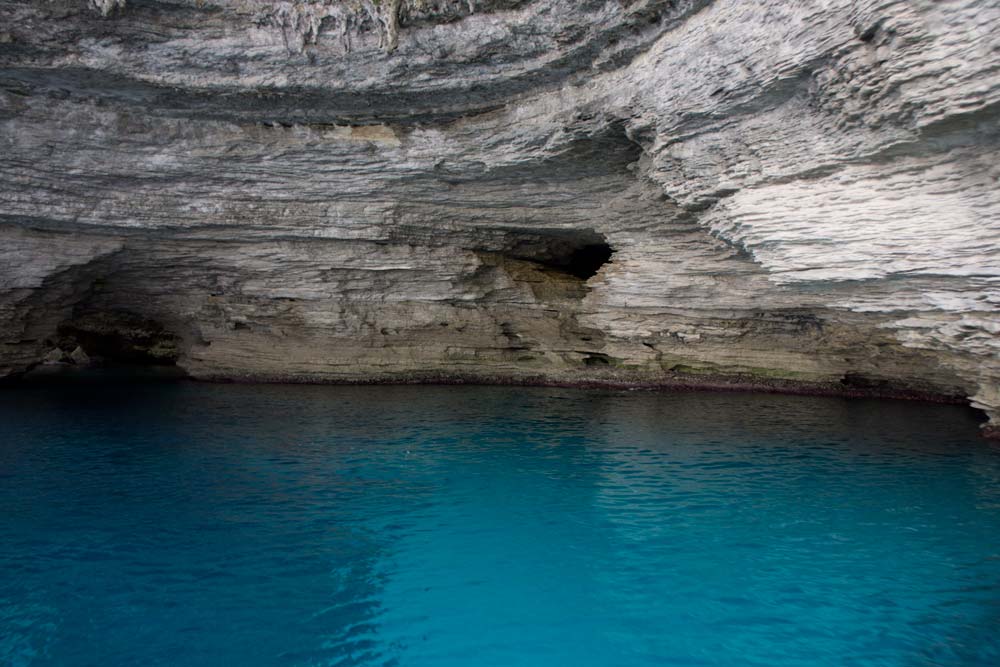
(798, 195)
(55, 356)
(79, 357)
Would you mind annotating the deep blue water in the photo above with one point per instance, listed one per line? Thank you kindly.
(193, 524)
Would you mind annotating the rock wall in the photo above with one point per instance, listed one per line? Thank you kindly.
(792, 195)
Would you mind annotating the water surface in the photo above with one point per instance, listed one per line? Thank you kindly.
(193, 524)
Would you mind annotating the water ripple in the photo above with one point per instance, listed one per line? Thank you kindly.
(188, 524)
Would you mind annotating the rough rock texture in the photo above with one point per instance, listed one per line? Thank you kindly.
(798, 195)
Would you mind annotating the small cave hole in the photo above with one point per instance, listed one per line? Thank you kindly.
(579, 253)
(596, 359)
(585, 262)
(864, 382)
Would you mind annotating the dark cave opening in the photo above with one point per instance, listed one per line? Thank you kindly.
(579, 253)
(119, 337)
(585, 262)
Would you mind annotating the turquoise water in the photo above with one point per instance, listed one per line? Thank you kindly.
(190, 524)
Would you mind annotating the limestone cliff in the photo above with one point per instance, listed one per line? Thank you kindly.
(791, 194)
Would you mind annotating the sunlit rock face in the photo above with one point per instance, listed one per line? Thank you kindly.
(791, 195)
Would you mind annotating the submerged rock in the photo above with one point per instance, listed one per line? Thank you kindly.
(776, 194)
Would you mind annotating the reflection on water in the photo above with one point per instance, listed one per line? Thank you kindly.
(188, 524)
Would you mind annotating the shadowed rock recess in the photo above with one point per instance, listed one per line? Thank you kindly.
(787, 195)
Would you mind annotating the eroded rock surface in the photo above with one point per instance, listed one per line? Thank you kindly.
(800, 195)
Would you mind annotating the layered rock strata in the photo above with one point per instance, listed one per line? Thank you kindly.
(791, 195)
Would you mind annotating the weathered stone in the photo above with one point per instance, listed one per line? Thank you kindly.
(798, 196)
(55, 356)
(79, 357)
